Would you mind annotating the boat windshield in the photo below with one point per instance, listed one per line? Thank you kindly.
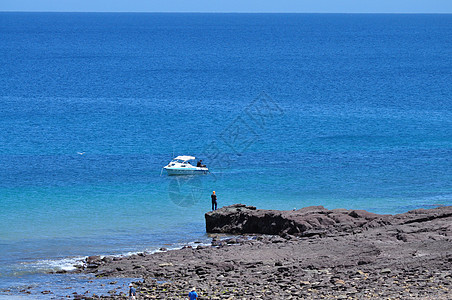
(181, 161)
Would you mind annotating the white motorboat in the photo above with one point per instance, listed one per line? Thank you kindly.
(181, 166)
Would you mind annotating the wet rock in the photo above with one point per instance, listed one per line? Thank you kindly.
(107, 259)
(95, 259)
(92, 266)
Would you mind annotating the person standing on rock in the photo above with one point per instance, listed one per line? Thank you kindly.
(193, 295)
(132, 292)
(214, 200)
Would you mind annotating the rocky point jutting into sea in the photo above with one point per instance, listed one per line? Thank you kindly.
(309, 253)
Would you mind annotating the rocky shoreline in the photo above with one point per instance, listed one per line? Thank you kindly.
(311, 253)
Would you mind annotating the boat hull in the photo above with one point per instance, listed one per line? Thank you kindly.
(186, 171)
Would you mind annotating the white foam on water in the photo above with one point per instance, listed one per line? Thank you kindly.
(46, 265)
(11, 297)
(71, 263)
(158, 249)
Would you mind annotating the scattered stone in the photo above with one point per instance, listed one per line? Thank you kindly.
(166, 265)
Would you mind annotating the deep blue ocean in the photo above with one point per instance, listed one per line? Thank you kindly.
(287, 110)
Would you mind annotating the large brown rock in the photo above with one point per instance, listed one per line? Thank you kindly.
(308, 221)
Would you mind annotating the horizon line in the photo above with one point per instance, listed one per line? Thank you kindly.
(220, 12)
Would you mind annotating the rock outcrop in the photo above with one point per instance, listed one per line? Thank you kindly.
(360, 256)
(309, 221)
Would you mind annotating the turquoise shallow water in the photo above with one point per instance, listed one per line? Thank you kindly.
(356, 113)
